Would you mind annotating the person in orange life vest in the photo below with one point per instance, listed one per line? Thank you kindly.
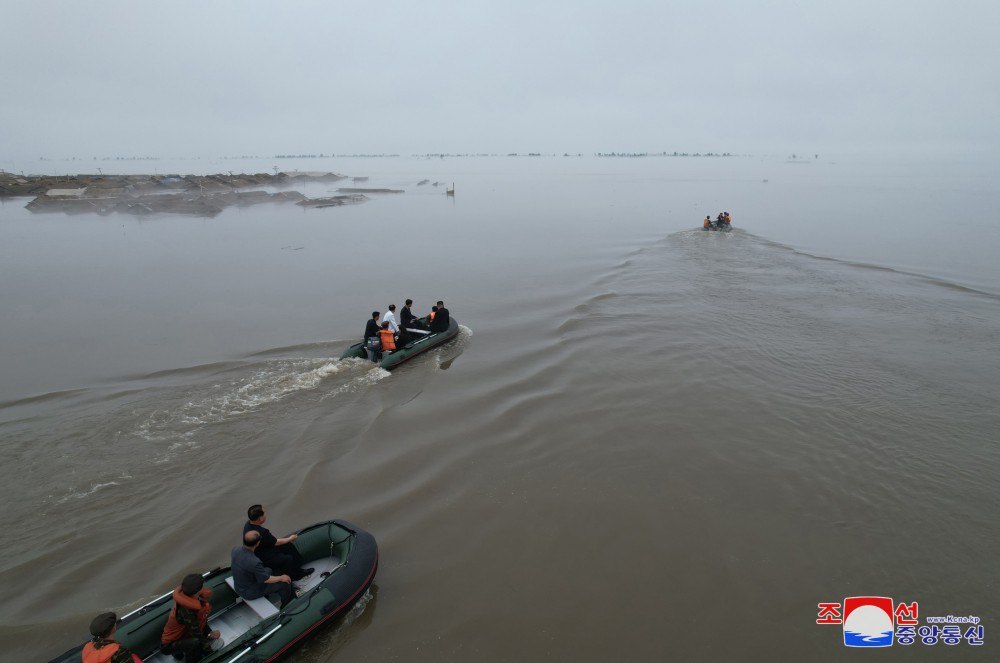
(707, 224)
(387, 337)
(729, 219)
(186, 634)
(102, 648)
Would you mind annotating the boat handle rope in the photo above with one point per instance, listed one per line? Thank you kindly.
(268, 634)
(239, 656)
(256, 642)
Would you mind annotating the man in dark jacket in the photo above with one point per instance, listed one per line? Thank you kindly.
(408, 320)
(441, 319)
(371, 329)
(251, 579)
(280, 555)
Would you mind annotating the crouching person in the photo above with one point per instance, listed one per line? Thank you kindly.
(187, 636)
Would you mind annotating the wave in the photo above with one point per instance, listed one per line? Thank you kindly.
(42, 398)
(81, 494)
(215, 367)
(315, 346)
(932, 280)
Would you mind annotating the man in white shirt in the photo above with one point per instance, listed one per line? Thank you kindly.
(390, 317)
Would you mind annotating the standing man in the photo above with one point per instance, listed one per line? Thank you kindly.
(186, 633)
(390, 317)
(280, 555)
(442, 319)
(250, 579)
(102, 647)
(406, 316)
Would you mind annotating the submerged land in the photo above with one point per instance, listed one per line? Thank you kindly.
(195, 195)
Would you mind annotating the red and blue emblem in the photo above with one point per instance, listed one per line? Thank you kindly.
(868, 621)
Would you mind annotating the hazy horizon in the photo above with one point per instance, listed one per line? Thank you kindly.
(231, 79)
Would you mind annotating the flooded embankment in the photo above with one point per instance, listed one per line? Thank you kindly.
(140, 195)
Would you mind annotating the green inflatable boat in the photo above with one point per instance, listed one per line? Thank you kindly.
(345, 559)
(417, 346)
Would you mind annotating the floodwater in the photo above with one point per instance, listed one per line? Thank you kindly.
(648, 443)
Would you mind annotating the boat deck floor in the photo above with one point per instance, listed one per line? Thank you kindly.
(240, 618)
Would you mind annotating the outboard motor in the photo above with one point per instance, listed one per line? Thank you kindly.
(373, 349)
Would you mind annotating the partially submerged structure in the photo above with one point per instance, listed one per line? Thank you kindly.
(198, 195)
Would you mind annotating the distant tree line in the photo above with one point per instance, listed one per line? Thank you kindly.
(662, 154)
(328, 156)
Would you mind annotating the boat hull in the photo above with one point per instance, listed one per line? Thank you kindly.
(353, 560)
(408, 351)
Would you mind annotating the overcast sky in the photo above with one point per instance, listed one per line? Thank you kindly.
(209, 78)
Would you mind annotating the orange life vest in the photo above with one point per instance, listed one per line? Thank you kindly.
(728, 218)
(174, 630)
(92, 654)
(708, 223)
(431, 316)
(388, 342)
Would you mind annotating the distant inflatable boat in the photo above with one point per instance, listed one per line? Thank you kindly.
(344, 559)
(725, 227)
(418, 345)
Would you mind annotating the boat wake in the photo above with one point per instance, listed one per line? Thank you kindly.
(449, 352)
(248, 389)
(324, 646)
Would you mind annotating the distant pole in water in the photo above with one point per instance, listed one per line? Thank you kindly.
(451, 191)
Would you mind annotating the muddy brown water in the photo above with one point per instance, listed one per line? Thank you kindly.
(648, 443)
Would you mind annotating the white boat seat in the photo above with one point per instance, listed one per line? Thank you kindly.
(261, 606)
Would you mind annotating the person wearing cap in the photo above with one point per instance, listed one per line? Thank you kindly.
(250, 579)
(102, 647)
(280, 555)
(186, 634)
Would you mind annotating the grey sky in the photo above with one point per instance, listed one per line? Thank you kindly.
(176, 79)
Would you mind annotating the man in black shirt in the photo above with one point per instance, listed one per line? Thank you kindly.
(280, 555)
(441, 319)
(371, 329)
(408, 320)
